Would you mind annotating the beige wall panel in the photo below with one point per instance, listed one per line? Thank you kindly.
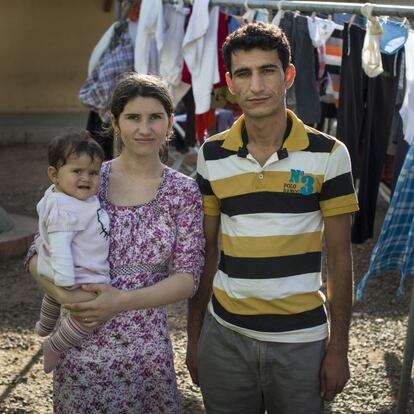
(44, 51)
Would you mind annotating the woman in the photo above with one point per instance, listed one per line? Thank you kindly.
(155, 256)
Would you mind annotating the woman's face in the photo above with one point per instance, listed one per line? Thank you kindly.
(144, 125)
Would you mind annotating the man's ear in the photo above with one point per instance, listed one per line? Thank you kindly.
(52, 174)
(290, 74)
(229, 82)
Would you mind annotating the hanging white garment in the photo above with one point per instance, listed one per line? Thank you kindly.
(171, 55)
(371, 54)
(150, 36)
(100, 47)
(320, 30)
(200, 53)
(407, 108)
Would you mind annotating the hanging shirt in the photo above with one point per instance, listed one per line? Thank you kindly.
(200, 53)
(407, 109)
(149, 36)
(171, 55)
(395, 245)
(100, 48)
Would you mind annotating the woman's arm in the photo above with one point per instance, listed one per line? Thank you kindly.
(60, 294)
(111, 301)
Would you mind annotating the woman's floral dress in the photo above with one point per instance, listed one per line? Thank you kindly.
(126, 365)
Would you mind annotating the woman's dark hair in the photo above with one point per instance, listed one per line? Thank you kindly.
(78, 142)
(257, 36)
(132, 85)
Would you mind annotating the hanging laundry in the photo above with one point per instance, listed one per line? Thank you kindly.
(407, 109)
(117, 59)
(200, 52)
(320, 30)
(394, 37)
(100, 47)
(150, 37)
(279, 15)
(371, 56)
(333, 61)
(171, 55)
(395, 245)
(365, 116)
(307, 105)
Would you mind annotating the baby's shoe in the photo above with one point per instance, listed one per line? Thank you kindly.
(50, 357)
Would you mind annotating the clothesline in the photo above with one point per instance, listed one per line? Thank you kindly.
(309, 6)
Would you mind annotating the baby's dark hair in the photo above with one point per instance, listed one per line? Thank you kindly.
(77, 142)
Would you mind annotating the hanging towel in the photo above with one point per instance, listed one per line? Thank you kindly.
(407, 109)
(371, 55)
(150, 36)
(200, 52)
(395, 245)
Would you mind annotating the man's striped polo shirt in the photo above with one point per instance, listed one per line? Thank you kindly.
(269, 277)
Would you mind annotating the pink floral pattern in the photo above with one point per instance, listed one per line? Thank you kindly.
(126, 365)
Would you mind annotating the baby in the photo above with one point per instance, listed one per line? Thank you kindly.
(73, 240)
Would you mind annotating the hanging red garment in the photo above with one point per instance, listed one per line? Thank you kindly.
(205, 123)
(134, 12)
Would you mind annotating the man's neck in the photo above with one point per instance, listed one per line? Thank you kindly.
(266, 133)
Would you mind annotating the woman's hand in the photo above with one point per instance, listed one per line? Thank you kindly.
(108, 303)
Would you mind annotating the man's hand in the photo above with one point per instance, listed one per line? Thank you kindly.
(94, 312)
(334, 374)
(191, 360)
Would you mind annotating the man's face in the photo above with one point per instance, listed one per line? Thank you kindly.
(259, 82)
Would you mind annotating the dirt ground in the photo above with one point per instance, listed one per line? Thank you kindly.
(376, 341)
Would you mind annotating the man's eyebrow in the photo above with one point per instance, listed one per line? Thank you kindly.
(242, 69)
(267, 66)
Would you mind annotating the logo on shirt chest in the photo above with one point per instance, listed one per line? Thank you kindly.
(299, 183)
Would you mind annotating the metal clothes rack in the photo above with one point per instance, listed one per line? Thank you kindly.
(309, 6)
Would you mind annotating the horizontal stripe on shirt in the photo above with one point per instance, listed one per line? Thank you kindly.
(271, 245)
(270, 267)
(276, 224)
(270, 202)
(271, 288)
(272, 323)
(288, 305)
(271, 181)
(337, 187)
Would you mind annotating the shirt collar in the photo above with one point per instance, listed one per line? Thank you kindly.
(297, 140)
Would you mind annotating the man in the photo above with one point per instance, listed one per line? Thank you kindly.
(271, 185)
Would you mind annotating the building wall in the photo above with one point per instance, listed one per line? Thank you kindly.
(44, 51)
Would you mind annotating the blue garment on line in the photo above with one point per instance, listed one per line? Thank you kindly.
(394, 37)
(395, 246)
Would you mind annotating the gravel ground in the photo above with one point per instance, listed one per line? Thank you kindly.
(377, 333)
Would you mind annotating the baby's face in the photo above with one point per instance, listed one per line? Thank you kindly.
(79, 177)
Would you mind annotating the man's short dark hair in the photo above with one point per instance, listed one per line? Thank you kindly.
(257, 36)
